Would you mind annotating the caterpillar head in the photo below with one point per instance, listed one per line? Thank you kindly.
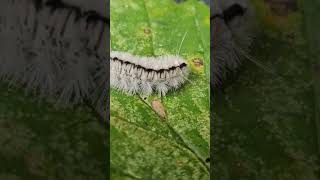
(231, 36)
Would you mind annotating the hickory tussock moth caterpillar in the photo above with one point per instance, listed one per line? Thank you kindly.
(145, 75)
(232, 34)
(55, 50)
(233, 31)
(99, 6)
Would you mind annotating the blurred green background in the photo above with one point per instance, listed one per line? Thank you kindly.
(267, 125)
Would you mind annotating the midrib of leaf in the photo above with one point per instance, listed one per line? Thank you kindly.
(177, 145)
(193, 151)
(179, 140)
(114, 169)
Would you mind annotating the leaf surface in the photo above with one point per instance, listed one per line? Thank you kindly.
(144, 145)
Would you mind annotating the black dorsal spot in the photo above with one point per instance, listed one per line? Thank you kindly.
(233, 11)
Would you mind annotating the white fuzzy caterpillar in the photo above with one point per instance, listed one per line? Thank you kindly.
(146, 75)
(99, 6)
(232, 35)
(55, 51)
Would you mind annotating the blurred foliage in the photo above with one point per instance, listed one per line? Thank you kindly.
(39, 141)
(265, 125)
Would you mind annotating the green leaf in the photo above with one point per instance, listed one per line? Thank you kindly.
(144, 145)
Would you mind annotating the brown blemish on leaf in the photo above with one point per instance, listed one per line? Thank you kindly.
(147, 31)
(158, 107)
(197, 62)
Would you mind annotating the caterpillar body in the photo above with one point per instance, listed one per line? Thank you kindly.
(231, 37)
(146, 75)
(56, 51)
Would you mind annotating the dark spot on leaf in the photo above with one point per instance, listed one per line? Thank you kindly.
(207, 160)
(232, 12)
(147, 31)
(197, 62)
